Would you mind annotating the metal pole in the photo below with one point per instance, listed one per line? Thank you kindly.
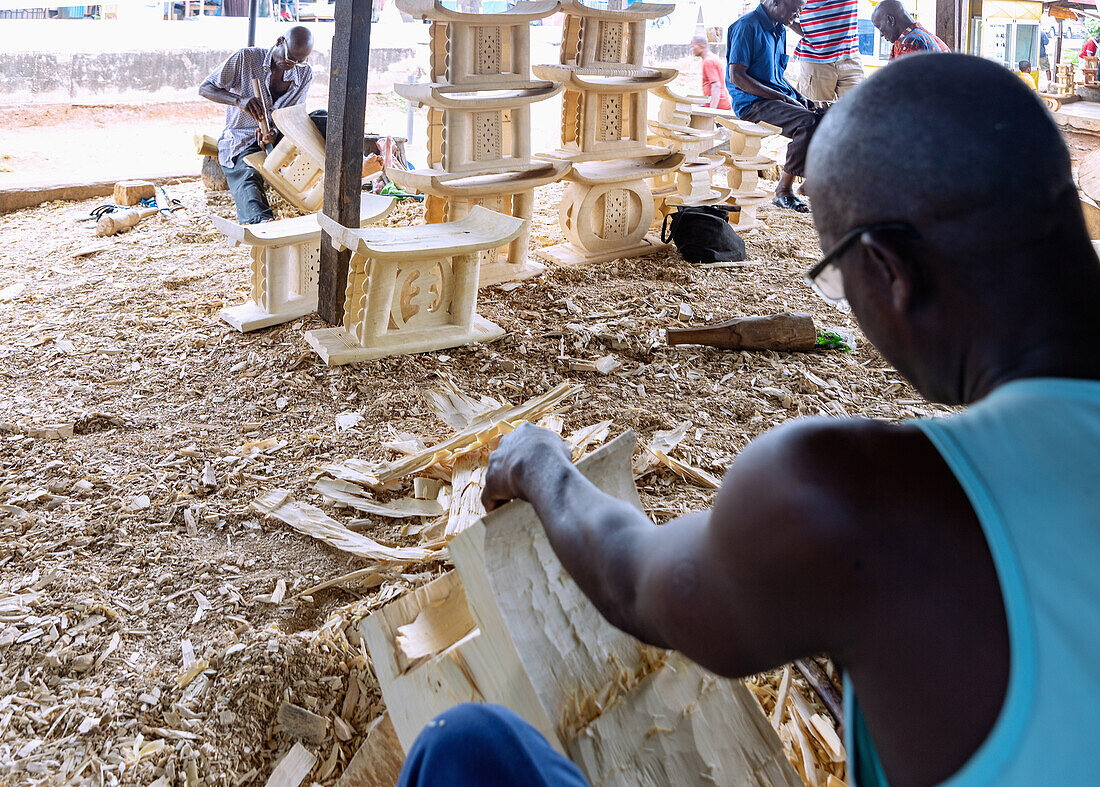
(1058, 50)
(410, 115)
(253, 12)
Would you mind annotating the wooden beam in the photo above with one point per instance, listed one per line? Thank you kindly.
(347, 108)
(947, 22)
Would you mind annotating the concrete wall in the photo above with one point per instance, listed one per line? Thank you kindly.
(102, 62)
(140, 77)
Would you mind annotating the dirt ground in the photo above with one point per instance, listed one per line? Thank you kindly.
(55, 144)
(130, 550)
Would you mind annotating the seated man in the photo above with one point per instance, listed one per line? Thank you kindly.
(907, 36)
(285, 76)
(947, 564)
(756, 50)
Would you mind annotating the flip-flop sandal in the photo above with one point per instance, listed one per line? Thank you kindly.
(791, 202)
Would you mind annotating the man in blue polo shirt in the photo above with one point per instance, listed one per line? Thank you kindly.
(756, 51)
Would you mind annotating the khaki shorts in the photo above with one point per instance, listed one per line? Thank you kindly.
(828, 81)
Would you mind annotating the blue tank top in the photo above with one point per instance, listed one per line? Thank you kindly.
(1028, 458)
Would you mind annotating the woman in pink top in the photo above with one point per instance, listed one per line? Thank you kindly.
(714, 83)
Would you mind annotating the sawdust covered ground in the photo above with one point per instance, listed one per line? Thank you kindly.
(131, 544)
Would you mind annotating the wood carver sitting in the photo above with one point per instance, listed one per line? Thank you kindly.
(284, 78)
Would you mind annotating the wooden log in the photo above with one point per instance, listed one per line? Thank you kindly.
(626, 714)
(378, 761)
(213, 177)
(131, 192)
(786, 332)
(347, 108)
(206, 145)
(121, 221)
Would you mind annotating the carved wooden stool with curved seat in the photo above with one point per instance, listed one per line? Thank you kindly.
(608, 206)
(285, 255)
(412, 289)
(479, 123)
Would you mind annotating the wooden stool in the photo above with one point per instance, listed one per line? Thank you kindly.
(412, 289)
(285, 256)
(479, 123)
(512, 193)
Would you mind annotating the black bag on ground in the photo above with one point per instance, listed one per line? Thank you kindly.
(703, 234)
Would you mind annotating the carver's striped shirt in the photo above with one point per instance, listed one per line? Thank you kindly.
(235, 75)
(828, 31)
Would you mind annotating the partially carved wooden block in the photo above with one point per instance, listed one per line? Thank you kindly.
(412, 289)
(509, 626)
(295, 167)
(285, 257)
(608, 207)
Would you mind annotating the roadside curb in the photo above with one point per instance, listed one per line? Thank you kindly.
(32, 196)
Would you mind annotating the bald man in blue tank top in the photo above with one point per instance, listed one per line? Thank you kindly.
(949, 565)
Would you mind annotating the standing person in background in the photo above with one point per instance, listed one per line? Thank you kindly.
(1089, 49)
(1044, 58)
(714, 85)
(828, 52)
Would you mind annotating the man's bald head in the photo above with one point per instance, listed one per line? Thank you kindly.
(299, 35)
(298, 44)
(955, 145)
(961, 151)
(891, 19)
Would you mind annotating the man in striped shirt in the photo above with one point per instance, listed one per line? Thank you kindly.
(828, 52)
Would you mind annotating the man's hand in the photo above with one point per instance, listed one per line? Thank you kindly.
(263, 140)
(252, 107)
(528, 449)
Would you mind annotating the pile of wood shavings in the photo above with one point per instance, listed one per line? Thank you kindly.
(130, 551)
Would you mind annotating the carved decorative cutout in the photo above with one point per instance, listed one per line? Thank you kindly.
(611, 118)
(489, 48)
(614, 214)
(440, 50)
(422, 295)
(308, 270)
(437, 136)
(611, 42)
(488, 135)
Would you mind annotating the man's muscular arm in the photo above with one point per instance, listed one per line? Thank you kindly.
(737, 588)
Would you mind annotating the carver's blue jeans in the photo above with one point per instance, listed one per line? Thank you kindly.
(476, 745)
(247, 187)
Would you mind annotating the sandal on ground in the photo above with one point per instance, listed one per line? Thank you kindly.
(791, 202)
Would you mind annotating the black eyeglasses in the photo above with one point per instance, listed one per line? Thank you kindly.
(825, 277)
